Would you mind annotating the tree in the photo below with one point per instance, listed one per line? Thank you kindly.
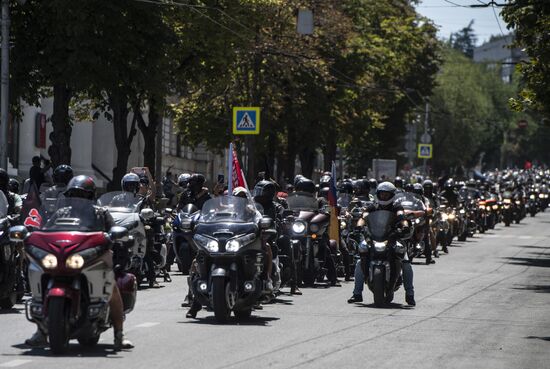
(464, 40)
(530, 20)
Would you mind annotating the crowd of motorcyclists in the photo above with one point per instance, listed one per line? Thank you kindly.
(239, 247)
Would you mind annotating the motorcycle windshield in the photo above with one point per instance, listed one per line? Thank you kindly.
(410, 202)
(73, 214)
(380, 223)
(299, 201)
(3, 205)
(344, 200)
(121, 202)
(229, 209)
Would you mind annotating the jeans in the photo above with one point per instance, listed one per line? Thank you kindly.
(407, 278)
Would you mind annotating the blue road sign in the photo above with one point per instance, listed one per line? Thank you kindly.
(246, 120)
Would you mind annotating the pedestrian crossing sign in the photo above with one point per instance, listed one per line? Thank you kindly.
(246, 121)
(425, 151)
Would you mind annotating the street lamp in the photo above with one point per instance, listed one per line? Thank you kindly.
(5, 82)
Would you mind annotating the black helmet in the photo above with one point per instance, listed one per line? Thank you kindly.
(346, 187)
(428, 186)
(373, 183)
(81, 186)
(13, 185)
(398, 182)
(449, 184)
(143, 179)
(385, 193)
(409, 187)
(183, 180)
(360, 187)
(63, 174)
(130, 183)
(418, 189)
(298, 178)
(4, 180)
(196, 182)
(325, 180)
(305, 185)
(264, 192)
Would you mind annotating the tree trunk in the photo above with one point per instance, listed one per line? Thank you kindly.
(149, 132)
(290, 162)
(123, 139)
(307, 159)
(60, 149)
(330, 152)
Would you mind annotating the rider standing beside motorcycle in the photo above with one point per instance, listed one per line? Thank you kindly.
(84, 187)
(62, 174)
(430, 246)
(14, 201)
(386, 200)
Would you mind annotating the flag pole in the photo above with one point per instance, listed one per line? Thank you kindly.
(230, 169)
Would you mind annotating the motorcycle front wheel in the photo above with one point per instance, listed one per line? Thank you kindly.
(219, 300)
(378, 281)
(58, 325)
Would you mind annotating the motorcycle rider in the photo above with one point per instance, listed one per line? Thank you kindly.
(13, 186)
(399, 184)
(433, 200)
(386, 200)
(14, 200)
(83, 187)
(450, 194)
(195, 193)
(418, 190)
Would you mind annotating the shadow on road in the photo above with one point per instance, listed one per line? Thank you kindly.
(530, 261)
(390, 306)
(254, 320)
(13, 310)
(538, 338)
(535, 287)
(75, 350)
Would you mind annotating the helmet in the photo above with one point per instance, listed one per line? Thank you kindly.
(428, 186)
(81, 186)
(373, 183)
(471, 183)
(360, 187)
(196, 182)
(346, 187)
(13, 185)
(305, 185)
(143, 179)
(298, 178)
(385, 193)
(4, 180)
(63, 174)
(449, 184)
(183, 180)
(240, 192)
(398, 182)
(289, 188)
(409, 187)
(418, 189)
(325, 180)
(130, 183)
(264, 191)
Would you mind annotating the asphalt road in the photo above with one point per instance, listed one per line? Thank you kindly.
(485, 305)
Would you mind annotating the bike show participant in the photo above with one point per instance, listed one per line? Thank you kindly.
(83, 187)
(386, 200)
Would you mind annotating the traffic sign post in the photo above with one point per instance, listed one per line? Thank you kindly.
(425, 151)
(246, 121)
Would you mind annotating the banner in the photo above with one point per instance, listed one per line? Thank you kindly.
(30, 210)
(334, 227)
(236, 178)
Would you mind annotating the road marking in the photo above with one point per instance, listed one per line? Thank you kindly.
(525, 237)
(14, 363)
(147, 325)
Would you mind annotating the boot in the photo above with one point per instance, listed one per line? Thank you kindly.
(295, 291)
(195, 308)
(410, 300)
(38, 339)
(121, 343)
(355, 298)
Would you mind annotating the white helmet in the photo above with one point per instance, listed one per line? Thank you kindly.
(385, 193)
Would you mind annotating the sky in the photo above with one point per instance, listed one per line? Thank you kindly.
(451, 18)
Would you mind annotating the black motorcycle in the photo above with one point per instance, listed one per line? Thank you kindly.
(382, 256)
(11, 280)
(182, 248)
(230, 237)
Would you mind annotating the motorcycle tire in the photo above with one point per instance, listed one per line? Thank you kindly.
(243, 314)
(378, 283)
(9, 301)
(58, 325)
(533, 213)
(462, 237)
(219, 300)
(507, 223)
(88, 341)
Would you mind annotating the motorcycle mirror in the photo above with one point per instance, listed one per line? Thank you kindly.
(18, 233)
(119, 234)
(266, 223)
(147, 213)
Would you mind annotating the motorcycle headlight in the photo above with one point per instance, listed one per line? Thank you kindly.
(444, 217)
(209, 244)
(75, 261)
(541, 196)
(507, 201)
(212, 246)
(462, 211)
(380, 246)
(518, 202)
(532, 197)
(49, 261)
(298, 227)
(495, 207)
(417, 221)
(233, 245)
(343, 225)
(488, 208)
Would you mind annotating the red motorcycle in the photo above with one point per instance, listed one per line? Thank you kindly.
(71, 274)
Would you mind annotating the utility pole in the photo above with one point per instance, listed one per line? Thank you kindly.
(426, 128)
(5, 84)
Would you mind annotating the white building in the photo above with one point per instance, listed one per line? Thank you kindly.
(93, 148)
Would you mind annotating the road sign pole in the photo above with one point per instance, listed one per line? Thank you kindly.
(425, 165)
(5, 80)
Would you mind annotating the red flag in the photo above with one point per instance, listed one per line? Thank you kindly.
(30, 212)
(237, 177)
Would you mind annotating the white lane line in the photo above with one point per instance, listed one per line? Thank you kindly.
(525, 237)
(147, 325)
(14, 363)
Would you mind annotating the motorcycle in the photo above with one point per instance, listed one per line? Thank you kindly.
(11, 279)
(230, 236)
(124, 207)
(313, 238)
(71, 274)
(381, 256)
(182, 248)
